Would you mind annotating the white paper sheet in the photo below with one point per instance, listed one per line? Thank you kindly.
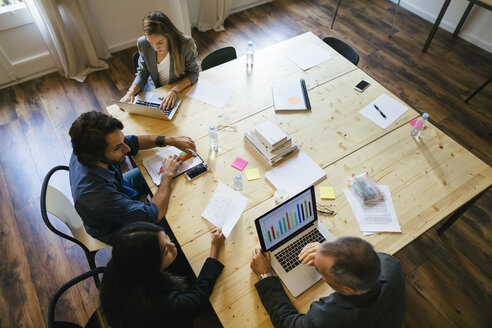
(296, 174)
(376, 218)
(153, 163)
(388, 106)
(210, 93)
(309, 56)
(225, 208)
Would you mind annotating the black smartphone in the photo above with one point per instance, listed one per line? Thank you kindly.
(362, 85)
(196, 171)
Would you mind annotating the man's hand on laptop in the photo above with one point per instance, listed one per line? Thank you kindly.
(260, 263)
(306, 256)
(183, 143)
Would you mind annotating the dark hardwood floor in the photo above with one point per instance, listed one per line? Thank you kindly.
(449, 277)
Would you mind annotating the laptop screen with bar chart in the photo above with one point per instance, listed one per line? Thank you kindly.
(287, 219)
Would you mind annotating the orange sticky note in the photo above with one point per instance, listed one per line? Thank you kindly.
(293, 100)
(327, 192)
(183, 156)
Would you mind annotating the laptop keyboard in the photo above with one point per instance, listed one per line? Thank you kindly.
(167, 112)
(288, 256)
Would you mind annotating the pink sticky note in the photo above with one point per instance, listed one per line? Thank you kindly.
(239, 163)
(412, 123)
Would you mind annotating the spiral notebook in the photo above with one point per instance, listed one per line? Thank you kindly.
(290, 95)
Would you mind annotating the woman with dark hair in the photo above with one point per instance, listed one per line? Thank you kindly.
(166, 56)
(138, 290)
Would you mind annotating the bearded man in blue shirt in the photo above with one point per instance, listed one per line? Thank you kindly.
(106, 199)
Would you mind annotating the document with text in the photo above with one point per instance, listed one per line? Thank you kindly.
(374, 218)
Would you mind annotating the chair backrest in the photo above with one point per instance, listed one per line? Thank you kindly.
(97, 319)
(55, 202)
(218, 57)
(135, 57)
(343, 49)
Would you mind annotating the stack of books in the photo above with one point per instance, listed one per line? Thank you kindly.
(271, 142)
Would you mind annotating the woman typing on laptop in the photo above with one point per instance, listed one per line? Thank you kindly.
(166, 56)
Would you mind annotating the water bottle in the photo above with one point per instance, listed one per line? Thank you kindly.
(250, 53)
(213, 138)
(237, 184)
(419, 125)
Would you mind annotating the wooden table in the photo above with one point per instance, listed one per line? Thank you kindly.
(428, 179)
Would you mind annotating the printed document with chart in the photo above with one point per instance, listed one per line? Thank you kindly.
(374, 218)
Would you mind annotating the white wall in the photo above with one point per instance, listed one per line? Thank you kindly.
(477, 28)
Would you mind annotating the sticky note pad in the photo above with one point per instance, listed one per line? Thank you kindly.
(239, 163)
(293, 100)
(183, 156)
(253, 174)
(327, 192)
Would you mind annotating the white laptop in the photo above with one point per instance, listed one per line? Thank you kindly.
(147, 104)
(284, 231)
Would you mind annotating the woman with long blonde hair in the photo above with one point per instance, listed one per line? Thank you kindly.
(166, 56)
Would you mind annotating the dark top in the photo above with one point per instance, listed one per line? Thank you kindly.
(384, 306)
(175, 309)
(100, 198)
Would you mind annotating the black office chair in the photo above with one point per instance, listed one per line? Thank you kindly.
(97, 320)
(55, 202)
(343, 49)
(135, 57)
(217, 57)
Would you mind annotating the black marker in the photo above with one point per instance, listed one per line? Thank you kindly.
(380, 112)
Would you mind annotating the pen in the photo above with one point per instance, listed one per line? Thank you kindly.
(380, 112)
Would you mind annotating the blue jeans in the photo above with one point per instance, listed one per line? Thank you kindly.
(134, 184)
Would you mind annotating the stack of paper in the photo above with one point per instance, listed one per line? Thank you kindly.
(270, 141)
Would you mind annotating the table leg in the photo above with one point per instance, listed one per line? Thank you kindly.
(453, 217)
(463, 18)
(394, 18)
(436, 25)
(335, 16)
(476, 91)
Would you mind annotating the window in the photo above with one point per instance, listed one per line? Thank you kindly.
(11, 5)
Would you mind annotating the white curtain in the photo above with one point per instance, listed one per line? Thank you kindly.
(70, 35)
(213, 13)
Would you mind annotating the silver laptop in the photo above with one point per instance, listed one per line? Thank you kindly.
(147, 104)
(284, 231)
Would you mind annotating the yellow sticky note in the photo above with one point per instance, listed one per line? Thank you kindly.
(253, 174)
(327, 192)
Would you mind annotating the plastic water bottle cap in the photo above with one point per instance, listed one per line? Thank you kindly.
(250, 43)
(426, 116)
(238, 176)
(212, 127)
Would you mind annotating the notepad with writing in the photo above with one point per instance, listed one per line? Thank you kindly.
(290, 95)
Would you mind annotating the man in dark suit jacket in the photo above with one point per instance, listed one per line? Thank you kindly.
(369, 287)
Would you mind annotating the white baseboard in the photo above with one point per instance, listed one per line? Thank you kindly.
(430, 17)
(29, 77)
(249, 5)
(123, 45)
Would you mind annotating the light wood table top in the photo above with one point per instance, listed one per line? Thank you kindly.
(252, 90)
(428, 179)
